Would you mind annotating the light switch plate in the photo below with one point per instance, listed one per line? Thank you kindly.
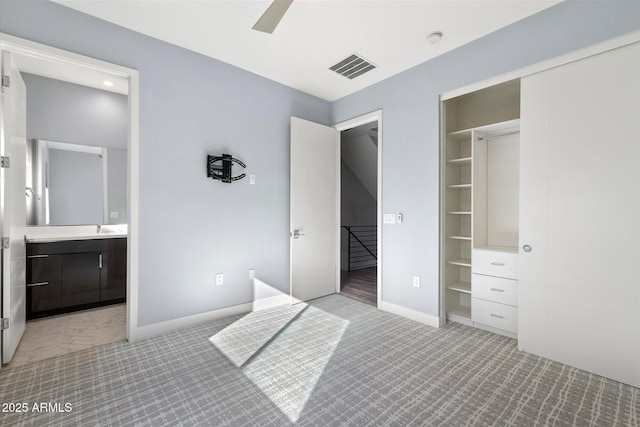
(389, 218)
(252, 178)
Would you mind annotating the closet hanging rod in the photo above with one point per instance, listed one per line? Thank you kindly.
(485, 138)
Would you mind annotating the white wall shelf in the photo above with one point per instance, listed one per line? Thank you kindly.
(464, 287)
(463, 262)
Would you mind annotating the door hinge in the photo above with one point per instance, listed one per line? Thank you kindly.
(5, 323)
(5, 243)
(6, 81)
(5, 162)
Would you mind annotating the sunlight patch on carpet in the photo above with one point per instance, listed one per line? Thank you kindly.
(289, 367)
(247, 336)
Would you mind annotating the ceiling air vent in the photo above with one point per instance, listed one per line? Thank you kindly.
(352, 67)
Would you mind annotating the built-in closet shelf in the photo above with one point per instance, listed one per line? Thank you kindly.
(460, 314)
(460, 135)
(464, 161)
(463, 134)
(464, 287)
(460, 186)
(494, 248)
(465, 262)
(459, 213)
(459, 237)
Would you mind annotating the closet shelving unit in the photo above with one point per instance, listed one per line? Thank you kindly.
(458, 224)
(463, 215)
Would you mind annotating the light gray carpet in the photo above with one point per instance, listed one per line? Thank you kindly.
(340, 362)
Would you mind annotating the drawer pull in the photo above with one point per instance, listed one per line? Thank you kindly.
(37, 256)
(496, 315)
(500, 264)
(32, 285)
(497, 290)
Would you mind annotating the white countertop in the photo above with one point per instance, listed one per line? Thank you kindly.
(79, 232)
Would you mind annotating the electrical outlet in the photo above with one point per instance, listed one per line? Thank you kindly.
(416, 281)
(219, 279)
(252, 274)
(114, 215)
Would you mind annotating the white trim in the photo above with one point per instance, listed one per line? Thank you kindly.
(409, 313)
(155, 329)
(133, 178)
(51, 54)
(270, 302)
(557, 61)
(349, 124)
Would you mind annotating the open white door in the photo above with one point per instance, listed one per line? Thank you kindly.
(13, 205)
(314, 201)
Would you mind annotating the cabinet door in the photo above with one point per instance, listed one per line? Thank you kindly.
(113, 284)
(580, 203)
(80, 278)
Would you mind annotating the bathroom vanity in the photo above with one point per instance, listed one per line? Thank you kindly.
(72, 273)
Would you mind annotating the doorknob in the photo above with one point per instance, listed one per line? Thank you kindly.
(296, 234)
(527, 248)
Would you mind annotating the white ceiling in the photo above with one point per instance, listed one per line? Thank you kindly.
(315, 34)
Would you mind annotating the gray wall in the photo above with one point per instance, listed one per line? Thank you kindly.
(192, 227)
(75, 188)
(66, 112)
(410, 104)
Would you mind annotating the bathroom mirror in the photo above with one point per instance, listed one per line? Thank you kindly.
(72, 184)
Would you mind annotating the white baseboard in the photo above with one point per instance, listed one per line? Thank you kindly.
(409, 313)
(148, 331)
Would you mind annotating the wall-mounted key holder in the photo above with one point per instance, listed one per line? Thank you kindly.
(219, 167)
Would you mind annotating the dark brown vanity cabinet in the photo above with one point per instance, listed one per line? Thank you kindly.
(72, 275)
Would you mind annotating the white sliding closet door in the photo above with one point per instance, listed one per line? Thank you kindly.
(580, 213)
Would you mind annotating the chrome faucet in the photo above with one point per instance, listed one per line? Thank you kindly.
(99, 228)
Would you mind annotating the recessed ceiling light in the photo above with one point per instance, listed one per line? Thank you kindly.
(108, 83)
(434, 37)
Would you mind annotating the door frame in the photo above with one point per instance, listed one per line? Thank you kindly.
(57, 56)
(340, 127)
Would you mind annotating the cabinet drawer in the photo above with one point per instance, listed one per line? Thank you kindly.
(496, 315)
(496, 289)
(43, 296)
(494, 263)
(43, 268)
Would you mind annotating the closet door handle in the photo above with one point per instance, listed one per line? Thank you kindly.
(497, 290)
(496, 315)
(100, 261)
(38, 256)
(499, 264)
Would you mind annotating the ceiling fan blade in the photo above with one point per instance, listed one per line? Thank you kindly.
(272, 16)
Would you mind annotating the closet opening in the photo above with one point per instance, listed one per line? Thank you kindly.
(479, 208)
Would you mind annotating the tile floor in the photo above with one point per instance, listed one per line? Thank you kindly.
(67, 333)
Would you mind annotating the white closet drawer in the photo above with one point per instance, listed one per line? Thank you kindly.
(496, 315)
(494, 263)
(496, 289)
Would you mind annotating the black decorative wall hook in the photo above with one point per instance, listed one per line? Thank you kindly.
(220, 168)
